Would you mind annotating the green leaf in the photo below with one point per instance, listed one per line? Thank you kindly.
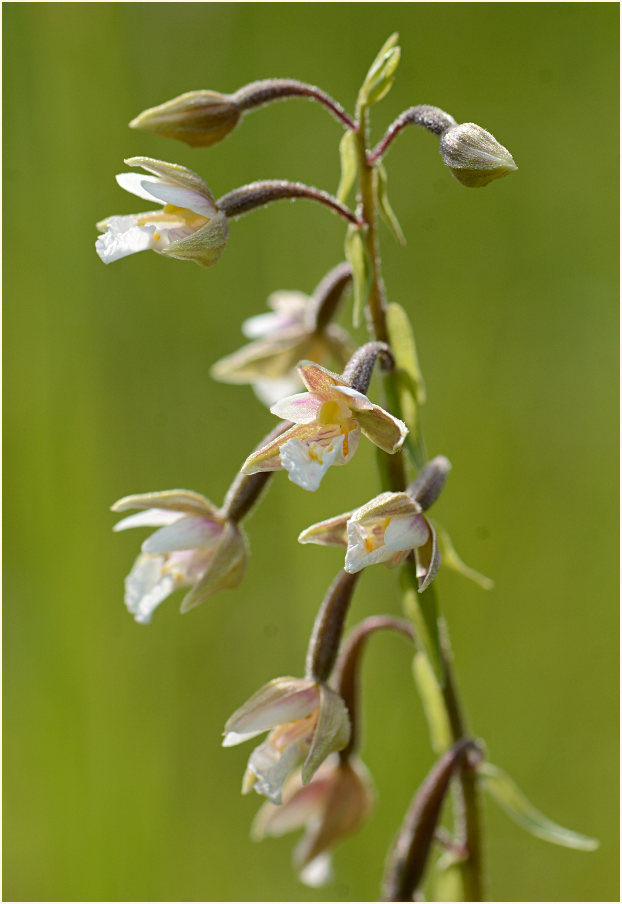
(510, 798)
(380, 77)
(386, 211)
(357, 257)
(447, 879)
(422, 609)
(452, 560)
(433, 705)
(349, 166)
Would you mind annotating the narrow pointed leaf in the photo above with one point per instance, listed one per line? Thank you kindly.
(386, 211)
(510, 798)
(452, 560)
(379, 79)
(349, 166)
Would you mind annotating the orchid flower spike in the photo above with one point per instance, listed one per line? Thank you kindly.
(328, 422)
(196, 546)
(297, 329)
(385, 530)
(335, 804)
(307, 722)
(188, 227)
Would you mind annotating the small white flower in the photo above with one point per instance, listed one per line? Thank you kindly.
(328, 422)
(188, 227)
(194, 547)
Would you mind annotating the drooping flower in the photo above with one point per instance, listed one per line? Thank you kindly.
(384, 530)
(282, 339)
(328, 421)
(188, 227)
(307, 722)
(335, 804)
(196, 546)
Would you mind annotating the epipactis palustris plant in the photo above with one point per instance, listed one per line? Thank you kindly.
(317, 382)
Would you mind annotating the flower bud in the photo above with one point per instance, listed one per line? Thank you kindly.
(200, 118)
(474, 156)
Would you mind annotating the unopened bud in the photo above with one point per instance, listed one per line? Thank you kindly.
(474, 156)
(200, 118)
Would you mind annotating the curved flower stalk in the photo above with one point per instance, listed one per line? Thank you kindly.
(189, 226)
(297, 329)
(196, 546)
(307, 722)
(332, 806)
(384, 530)
(328, 422)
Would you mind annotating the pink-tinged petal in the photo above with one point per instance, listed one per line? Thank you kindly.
(146, 587)
(303, 408)
(332, 731)
(384, 430)
(317, 378)
(297, 809)
(175, 174)
(281, 700)
(331, 532)
(268, 458)
(185, 501)
(188, 532)
(149, 518)
(225, 570)
(428, 558)
(406, 532)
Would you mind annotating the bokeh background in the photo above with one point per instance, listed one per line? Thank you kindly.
(115, 784)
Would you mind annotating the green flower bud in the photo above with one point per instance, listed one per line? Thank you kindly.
(200, 118)
(474, 156)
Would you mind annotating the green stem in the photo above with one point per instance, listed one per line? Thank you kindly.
(466, 809)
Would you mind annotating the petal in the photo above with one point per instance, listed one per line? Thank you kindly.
(428, 559)
(331, 532)
(307, 462)
(318, 379)
(185, 501)
(271, 391)
(291, 306)
(271, 357)
(281, 700)
(317, 872)
(138, 185)
(204, 246)
(152, 188)
(332, 731)
(272, 768)
(384, 430)
(306, 803)
(146, 587)
(268, 457)
(387, 505)
(149, 518)
(303, 408)
(359, 556)
(175, 174)
(225, 569)
(406, 532)
(119, 241)
(187, 532)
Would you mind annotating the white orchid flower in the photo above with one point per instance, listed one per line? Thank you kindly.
(188, 227)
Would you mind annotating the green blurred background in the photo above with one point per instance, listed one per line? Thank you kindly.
(116, 786)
